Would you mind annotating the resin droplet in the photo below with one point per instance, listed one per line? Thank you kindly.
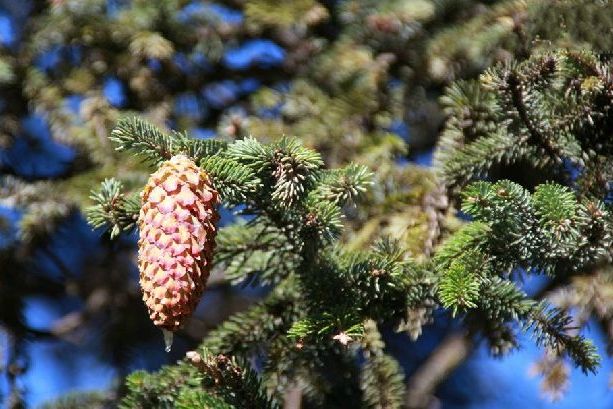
(167, 339)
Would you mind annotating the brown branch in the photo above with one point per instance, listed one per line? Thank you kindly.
(445, 359)
(293, 398)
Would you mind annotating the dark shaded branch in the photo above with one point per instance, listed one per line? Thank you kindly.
(515, 87)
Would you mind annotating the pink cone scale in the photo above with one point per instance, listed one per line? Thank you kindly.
(177, 225)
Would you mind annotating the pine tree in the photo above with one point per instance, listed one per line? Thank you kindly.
(349, 241)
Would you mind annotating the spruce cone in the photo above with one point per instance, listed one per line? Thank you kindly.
(177, 238)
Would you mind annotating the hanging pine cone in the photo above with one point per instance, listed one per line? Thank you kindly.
(177, 226)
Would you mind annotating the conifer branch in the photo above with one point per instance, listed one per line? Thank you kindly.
(235, 182)
(534, 107)
(382, 382)
(344, 185)
(254, 328)
(113, 210)
(255, 251)
(539, 231)
(146, 140)
(239, 386)
(381, 379)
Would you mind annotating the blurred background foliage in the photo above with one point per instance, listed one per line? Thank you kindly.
(358, 80)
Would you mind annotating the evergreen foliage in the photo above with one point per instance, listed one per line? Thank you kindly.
(313, 105)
